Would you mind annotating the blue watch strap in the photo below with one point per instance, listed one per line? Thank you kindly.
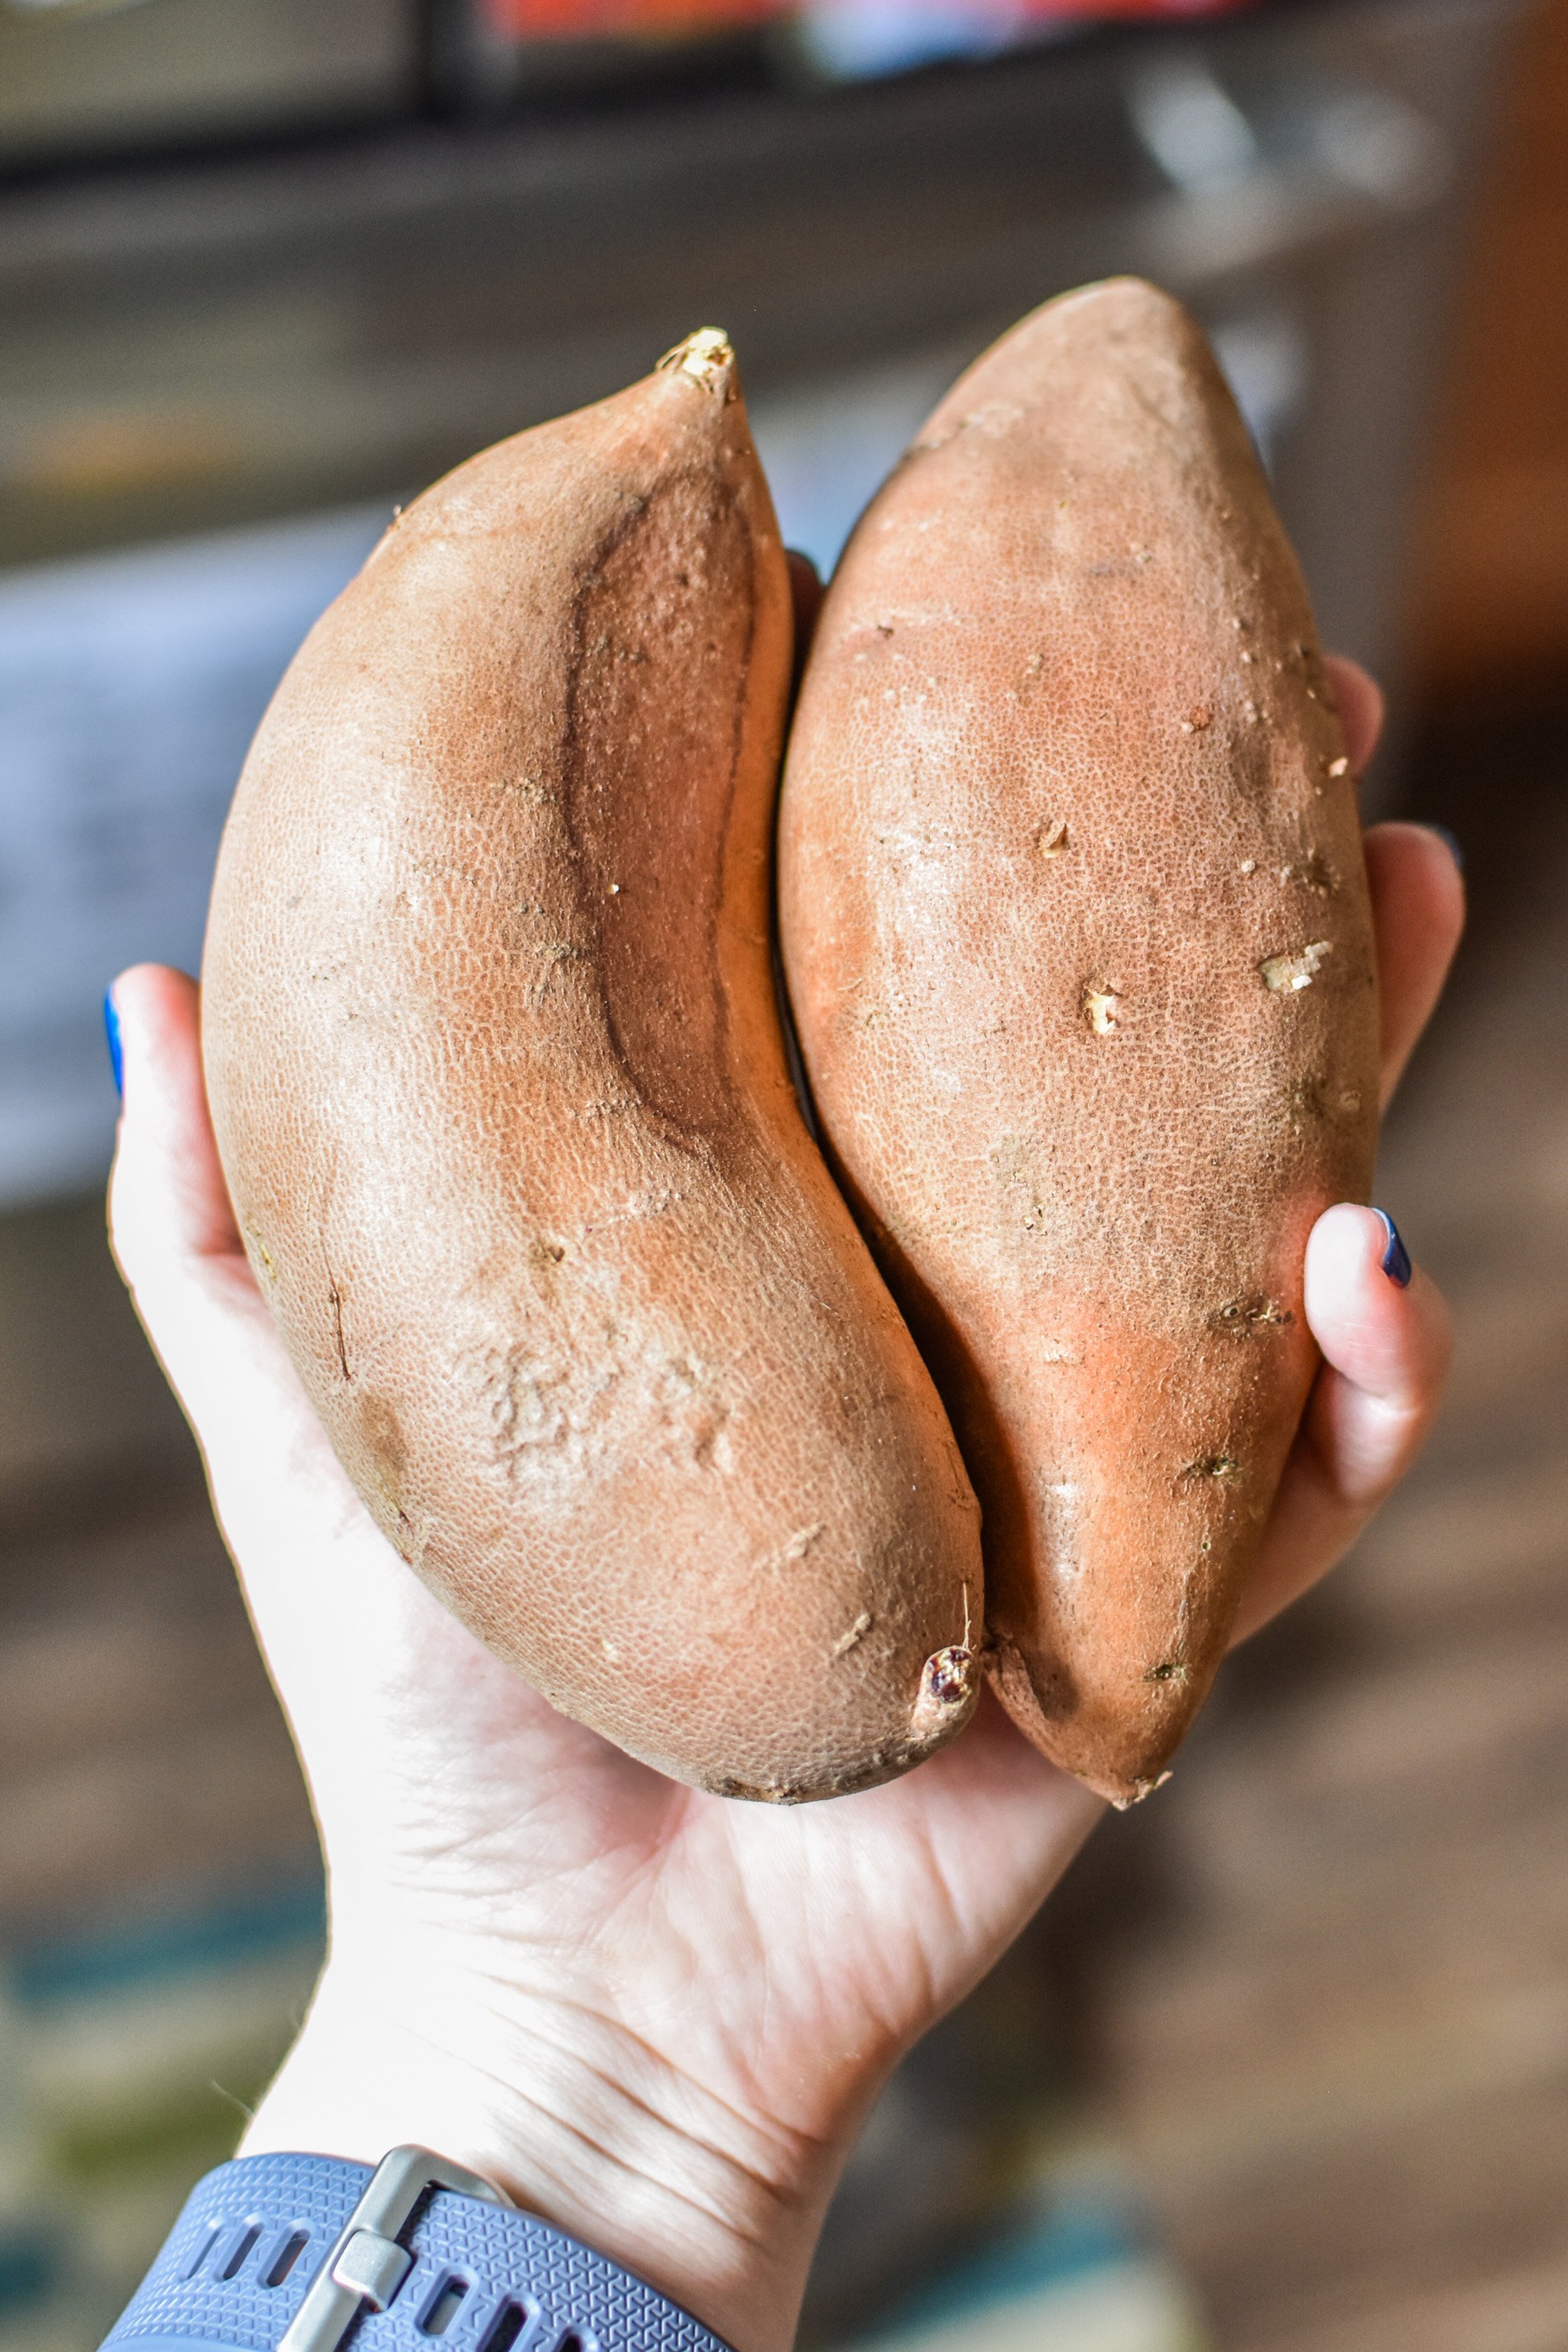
(329, 2254)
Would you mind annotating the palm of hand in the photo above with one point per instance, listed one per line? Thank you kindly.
(530, 1929)
(477, 1832)
(548, 1960)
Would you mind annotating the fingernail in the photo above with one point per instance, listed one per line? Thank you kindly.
(116, 1052)
(1455, 846)
(1395, 1256)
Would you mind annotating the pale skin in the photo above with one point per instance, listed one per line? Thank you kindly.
(657, 2018)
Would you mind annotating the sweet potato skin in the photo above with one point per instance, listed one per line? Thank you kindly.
(1075, 921)
(501, 1094)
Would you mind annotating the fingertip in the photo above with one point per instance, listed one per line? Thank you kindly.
(167, 1186)
(1445, 881)
(807, 592)
(1418, 918)
(1361, 706)
(1449, 839)
(1427, 861)
(1377, 1318)
(1343, 1250)
(1395, 1259)
(1347, 1246)
(115, 1043)
(151, 1012)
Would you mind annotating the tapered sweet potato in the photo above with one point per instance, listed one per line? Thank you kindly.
(1075, 927)
(502, 1098)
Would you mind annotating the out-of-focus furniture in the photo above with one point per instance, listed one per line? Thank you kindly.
(82, 75)
(298, 338)
(1489, 576)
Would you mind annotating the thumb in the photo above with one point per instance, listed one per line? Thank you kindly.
(280, 1493)
(171, 1224)
(168, 1207)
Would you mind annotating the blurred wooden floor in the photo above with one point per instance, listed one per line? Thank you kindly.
(1323, 1979)
(1488, 573)
(142, 1758)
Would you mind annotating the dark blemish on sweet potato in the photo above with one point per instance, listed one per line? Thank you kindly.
(335, 1302)
(1254, 1313)
(1310, 872)
(949, 1674)
(950, 1683)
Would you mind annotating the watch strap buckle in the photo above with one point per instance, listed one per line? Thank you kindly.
(368, 2263)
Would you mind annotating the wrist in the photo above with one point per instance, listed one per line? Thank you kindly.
(575, 2121)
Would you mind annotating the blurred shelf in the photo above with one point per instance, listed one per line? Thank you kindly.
(1491, 573)
(194, 346)
(79, 75)
(228, 368)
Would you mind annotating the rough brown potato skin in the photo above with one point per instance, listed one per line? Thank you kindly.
(502, 1098)
(1065, 783)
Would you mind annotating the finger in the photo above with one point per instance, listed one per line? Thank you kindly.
(806, 594)
(1386, 1345)
(278, 1488)
(172, 1228)
(1417, 915)
(167, 1196)
(281, 1496)
(1359, 700)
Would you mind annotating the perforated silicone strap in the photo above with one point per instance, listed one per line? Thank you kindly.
(464, 2276)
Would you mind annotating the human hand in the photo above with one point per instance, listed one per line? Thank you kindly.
(1385, 1345)
(653, 2016)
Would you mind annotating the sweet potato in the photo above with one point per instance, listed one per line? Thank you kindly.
(500, 1092)
(1075, 927)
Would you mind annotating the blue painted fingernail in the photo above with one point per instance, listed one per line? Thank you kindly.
(1395, 1256)
(116, 1052)
(1451, 842)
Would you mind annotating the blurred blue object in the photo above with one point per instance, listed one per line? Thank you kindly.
(1073, 2271)
(128, 1954)
(854, 40)
(1077, 2235)
(129, 2049)
(27, 2270)
(132, 685)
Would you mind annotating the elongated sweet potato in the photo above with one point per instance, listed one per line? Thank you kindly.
(502, 1098)
(1075, 928)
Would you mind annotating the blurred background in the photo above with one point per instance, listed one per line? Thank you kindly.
(1284, 2067)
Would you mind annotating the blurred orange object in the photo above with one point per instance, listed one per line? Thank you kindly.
(524, 20)
(581, 20)
(1489, 568)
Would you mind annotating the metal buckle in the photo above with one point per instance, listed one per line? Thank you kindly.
(367, 2266)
